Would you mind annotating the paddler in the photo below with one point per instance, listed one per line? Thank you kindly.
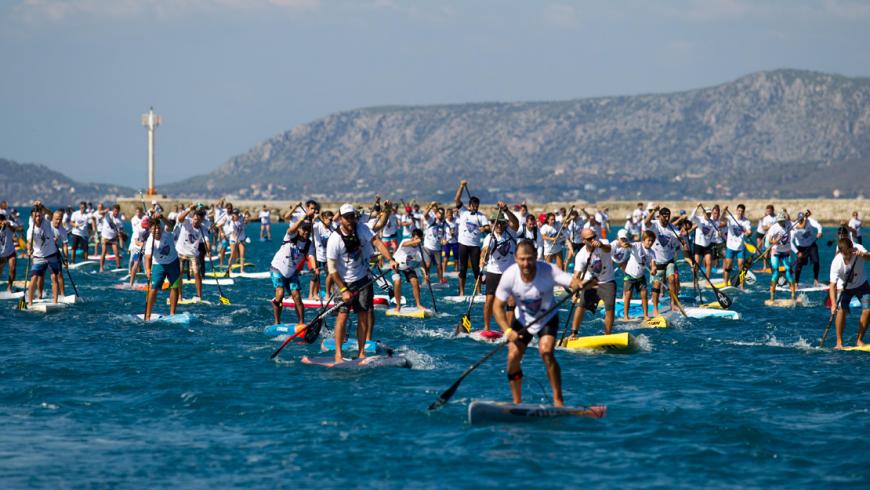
(43, 252)
(529, 282)
(161, 263)
(470, 223)
(320, 232)
(806, 233)
(499, 247)
(854, 226)
(640, 258)
(593, 268)
(190, 233)
(553, 235)
(779, 237)
(764, 224)
(668, 241)
(848, 275)
(8, 228)
(434, 236)
(286, 264)
(735, 248)
(529, 232)
(81, 221)
(347, 256)
(60, 242)
(111, 233)
(265, 224)
(408, 257)
(137, 247)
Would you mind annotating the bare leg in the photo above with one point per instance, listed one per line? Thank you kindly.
(174, 296)
(363, 332)
(300, 310)
(841, 324)
(554, 372)
(277, 305)
(415, 288)
(397, 292)
(514, 361)
(340, 323)
(487, 310)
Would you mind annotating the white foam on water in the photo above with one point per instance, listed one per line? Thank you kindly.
(430, 333)
(420, 361)
(772, 341)
(643, 343)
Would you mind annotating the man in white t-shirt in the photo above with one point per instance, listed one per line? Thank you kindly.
(848, 275)
(498, 252)
(80, 222)
(593, 267)
(161, 264)
(529, 283)
(42, 248)
(764, 224)
(854, 226)
(112, 233)
(8, 228)
(471, 223)
(191, 233)
(348, 251)
(738, 228)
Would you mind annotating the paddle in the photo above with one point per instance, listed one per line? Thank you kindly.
(675, 301)
(22, 301)
(574, 303)
(839, 297)
(747, 265)
(429, 281)
(465, 320)
(444, 397)
(66, 267)
(223, 299)
(722, 298)
(320, 315)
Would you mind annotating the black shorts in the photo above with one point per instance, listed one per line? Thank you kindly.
(362, 301)
(702, 251)
(635, 285)
(862, 292)
(718, 250)
(492, 280)
(603, 292)
(408, 273)
(79, 242)
(551, 328)
(110, 241)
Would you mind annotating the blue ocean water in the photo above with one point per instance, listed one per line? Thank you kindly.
(90, 397)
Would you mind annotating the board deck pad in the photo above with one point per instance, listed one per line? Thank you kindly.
(178, 318)
(483, 411)
(282, 329)
(410, 312)
(615, 341)
(328, 345)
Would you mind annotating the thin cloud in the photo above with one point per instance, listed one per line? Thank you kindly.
(561, 15)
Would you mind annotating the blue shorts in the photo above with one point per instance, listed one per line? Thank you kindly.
(286, 283)
(171, 272)
(224, 244)
(41, 264)
(731, 254)
(862, 292)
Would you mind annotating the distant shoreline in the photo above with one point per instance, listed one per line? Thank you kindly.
(829, 212)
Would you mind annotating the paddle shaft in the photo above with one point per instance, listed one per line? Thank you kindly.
(66, 266)
(217, 281)
(837, 306)
(429, 281)
(466, 316)
(574, 303)
(448, 393)
(22, 303)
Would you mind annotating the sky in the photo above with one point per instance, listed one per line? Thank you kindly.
(227, 74)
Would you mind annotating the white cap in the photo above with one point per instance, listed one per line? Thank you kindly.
(346, 209)
(154, 201)
(650, 206)
(623, 233)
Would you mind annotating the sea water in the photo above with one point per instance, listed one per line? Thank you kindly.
(90, 397)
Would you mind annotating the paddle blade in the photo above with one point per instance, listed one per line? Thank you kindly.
(224, 300)
(750, 278)
(313, 331)
(735, 280)
(466, 323)
(750, 247)
(22, 305)
(443, 398)
(724, 300)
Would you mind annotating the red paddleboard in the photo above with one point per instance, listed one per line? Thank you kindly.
(379, 300)
(490, 334)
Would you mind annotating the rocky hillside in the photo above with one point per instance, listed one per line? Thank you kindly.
(783, 133)
(21, 183)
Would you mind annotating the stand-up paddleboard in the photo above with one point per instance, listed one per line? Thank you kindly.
(720, 285)
(13, 295)
(119, 269)
(178, 318)
(615, 341)
(378, 300)
(97, 257)
(86, 263)
(482, 412)
(813, 289)
(351, 344)
(368, 362)
(69, 299)
(283, 329)
(452, 274)
(652, 322)
(489, 335)
(125, 286)
(698, 312)
(237, 275)
(45, 307)
(191, 301)
(785, 302)
(214, 282)
(411, 312)
(237, 265)
(861, 348)
(478, 298)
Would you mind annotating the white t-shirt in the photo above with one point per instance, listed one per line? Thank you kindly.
(573, 230)
(111, 225)
(60, 235)
(639, 259)
(390, 227)
(839, 270)
(165, 253)
(320, 235)
(436, 233)
(43, 239)
(667, 241)
(135, 221)
(777, 231)
(351, 266)
(80, 221)
(139, 235)
(552, 247)
(806, 236)
(265, 217)
(452, 230)
(736, 229)
(7, 241)
(600, 264)
(470, 224)
(532, 235)
(855, 224)
(532, 298)
(408, 257)
(618, 254)
(502, 255)
(290, 254)
(765, 221)
(705, 233)
(189, 237)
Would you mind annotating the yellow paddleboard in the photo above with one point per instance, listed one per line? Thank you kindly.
(714, 305)
(863, 348)
(783, 303)
(410, 312)
(236, 266)
(618, 341)
(654, 322)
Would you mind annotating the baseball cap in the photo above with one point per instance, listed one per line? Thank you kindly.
(146, 222)
(346, 209)
(623, 233)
